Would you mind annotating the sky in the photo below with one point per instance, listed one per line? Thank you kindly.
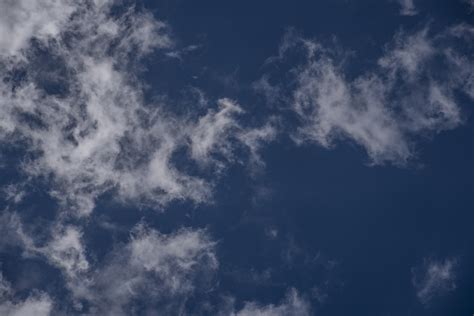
(177, 157)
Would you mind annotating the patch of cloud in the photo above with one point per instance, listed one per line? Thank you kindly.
(407, 7)
(293, 304)
(384, 110)
(211, 131)
(434, 279)
(73, 100)
(212, 137)
(165, 269)
(407, 54)
(36, 303)
(60, 245)
(14, 193)
(22, 20)
(150, 272)
(151, 267)
(13, 233)
(255, 138)
(66, 250)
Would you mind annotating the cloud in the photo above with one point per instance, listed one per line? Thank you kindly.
(151, 270)
(470, 4)
(215, 135)
(162, 271)
(22, 20)
(66, 251)
(434, 279)
(407, 7)
(384, 110)
(159, 270)
(80, 115)
(211, 132)
(58, 244)
(36, 304)
(293, 304)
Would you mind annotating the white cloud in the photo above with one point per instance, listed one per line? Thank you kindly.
(383, 110)
(61, 245)
(66, 251)
(162, 269)
(215, 134)
(407, 7)
(293, 304)
(255, 138)
(212, 131)
(23, 20)
(434, 279)
(98, 134)
(36, 304)
(408, 54)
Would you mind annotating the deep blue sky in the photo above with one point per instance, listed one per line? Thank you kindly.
(351, 236)
(375, 222)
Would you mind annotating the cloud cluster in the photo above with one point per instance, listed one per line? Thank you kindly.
(71, 97)
(161, 270)
(158, 270)
(411, 92)
(434, 279)
(75, 110)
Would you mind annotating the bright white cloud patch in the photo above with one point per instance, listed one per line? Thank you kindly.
(385, 109)
(434, 279)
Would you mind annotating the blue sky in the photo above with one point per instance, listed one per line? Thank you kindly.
(271, 158)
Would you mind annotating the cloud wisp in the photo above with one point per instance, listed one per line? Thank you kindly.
(36, 304)
(407, 7)
(292, 304)
(405, 97)
(434, 279)
(165, 269)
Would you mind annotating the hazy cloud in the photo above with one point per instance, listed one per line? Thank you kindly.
(434, 279)
(407, 7)
(35, 304)
(293, 304)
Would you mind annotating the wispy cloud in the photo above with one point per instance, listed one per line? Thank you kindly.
(35, 304)
(293, 304)
(434, 279)
(165, 269)
(383, 110)
(407, 7)
(82, 114)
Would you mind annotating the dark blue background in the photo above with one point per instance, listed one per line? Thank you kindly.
(352, 230)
